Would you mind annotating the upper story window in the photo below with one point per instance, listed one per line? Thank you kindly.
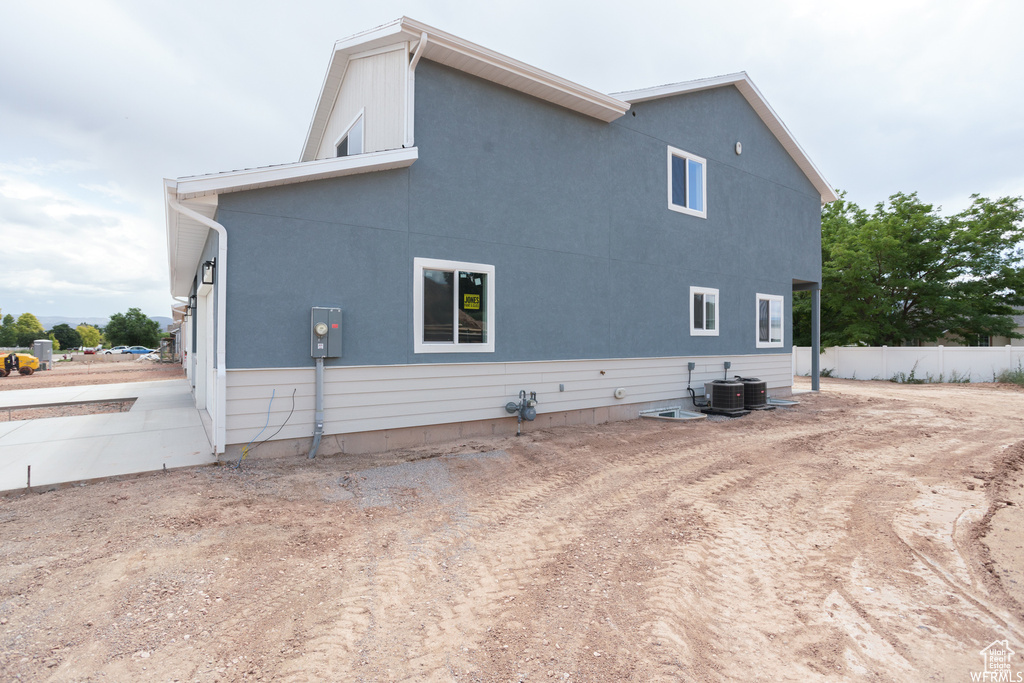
(769, 320)
(453, 306)
(351, 141)
(703, 311)
(687, 189)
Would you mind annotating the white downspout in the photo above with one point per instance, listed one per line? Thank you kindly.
(410, 91)
(220, 406)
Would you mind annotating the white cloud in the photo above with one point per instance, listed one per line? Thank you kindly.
(60, 245)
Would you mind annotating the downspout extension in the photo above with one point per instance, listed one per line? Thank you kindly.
(318, 427)
(220, 407)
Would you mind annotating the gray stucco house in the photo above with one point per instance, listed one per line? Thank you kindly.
(487, 228)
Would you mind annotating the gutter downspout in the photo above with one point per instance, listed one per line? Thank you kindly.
(220, 404)
(410, 91)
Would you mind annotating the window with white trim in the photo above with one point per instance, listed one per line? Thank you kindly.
(453, 306)
(769, 320)
(703, 311)
(687, 186)
(351, 141)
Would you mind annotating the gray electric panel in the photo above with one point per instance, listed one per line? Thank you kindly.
(327, 345)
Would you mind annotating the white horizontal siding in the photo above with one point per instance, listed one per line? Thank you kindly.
(367, 398)
(377, 85)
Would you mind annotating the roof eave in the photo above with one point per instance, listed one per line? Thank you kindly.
(302, 171)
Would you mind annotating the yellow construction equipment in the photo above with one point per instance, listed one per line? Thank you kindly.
(25, 363)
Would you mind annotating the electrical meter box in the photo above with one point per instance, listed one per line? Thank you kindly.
(325, 333)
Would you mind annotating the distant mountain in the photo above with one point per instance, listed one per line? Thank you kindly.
(48, 321)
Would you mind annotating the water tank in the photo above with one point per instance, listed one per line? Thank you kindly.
(726, 395)
(755, 393)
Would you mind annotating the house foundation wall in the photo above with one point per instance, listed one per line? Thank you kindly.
(385, 440)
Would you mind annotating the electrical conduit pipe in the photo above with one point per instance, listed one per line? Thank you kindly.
(318, 427)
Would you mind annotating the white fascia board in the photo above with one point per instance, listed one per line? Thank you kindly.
(660, 91)
(302, 171)
(759, 104)
(475, 60)
(518, 75)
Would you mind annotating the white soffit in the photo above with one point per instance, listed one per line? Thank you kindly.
(760, 106)
(186, 239)
(465, 56)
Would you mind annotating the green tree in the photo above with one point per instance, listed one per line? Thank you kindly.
(904, 273)
(89, 335)
(132, 328)
(29, 329)
(66, 336)
(8, 332)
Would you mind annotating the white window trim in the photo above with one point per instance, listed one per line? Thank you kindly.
(757, 321)
(420, 346)
(674, 152)
(348, 129)
(699, 332)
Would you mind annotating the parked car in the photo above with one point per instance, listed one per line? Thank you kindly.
(116, 349)
(88, 350)
(136, 349)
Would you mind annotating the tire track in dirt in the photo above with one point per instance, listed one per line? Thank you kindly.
(784, 546)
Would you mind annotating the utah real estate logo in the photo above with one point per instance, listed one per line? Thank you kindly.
(997, 665)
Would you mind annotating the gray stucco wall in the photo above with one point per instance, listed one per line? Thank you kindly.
(572, 212)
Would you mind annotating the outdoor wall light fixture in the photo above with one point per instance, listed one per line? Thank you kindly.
(191, 303)
(208, 270)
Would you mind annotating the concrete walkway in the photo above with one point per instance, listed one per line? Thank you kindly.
(162, 428)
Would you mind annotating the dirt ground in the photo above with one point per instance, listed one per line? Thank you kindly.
(101, 369)
(874, 532)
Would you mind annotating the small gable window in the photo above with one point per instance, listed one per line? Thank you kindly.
(351, 142)
(687, 189)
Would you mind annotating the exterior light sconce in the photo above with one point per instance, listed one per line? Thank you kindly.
(209, 267)
(191, 303)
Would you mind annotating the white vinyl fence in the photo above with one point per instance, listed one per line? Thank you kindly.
(925, 363)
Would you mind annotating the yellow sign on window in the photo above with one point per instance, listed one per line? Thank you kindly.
(471, 302)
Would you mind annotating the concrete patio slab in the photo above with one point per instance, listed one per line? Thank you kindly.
(162, 429)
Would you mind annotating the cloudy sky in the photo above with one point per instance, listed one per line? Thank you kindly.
(99, 101)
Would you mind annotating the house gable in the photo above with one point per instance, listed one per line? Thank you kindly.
(374, 88)
(758, 104)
